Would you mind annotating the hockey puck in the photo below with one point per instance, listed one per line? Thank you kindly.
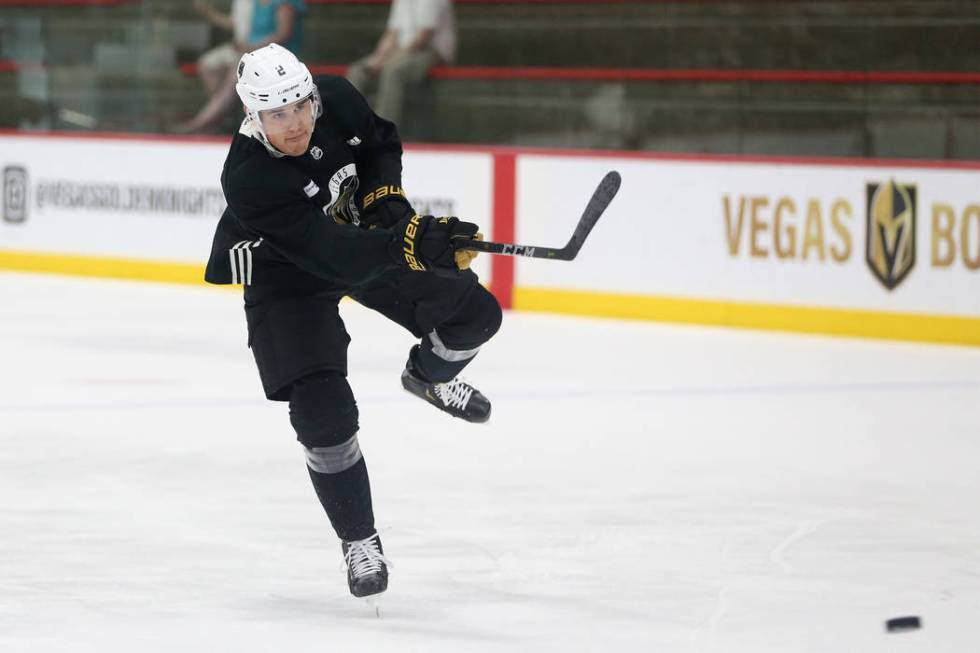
(903, 624)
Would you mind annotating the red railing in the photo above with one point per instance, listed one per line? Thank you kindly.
(707, 75)
(76, 3)
(678, 75)
(62, 3)
(516, 2)
(569, 2)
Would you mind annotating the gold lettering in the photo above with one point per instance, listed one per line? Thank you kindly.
(411, 230)
(414, 264)
(841, 209)
(758, 225)
(943, 221)
(734, 235)
(380, 192)
(813, 231)
(784, 204)
(972, 211)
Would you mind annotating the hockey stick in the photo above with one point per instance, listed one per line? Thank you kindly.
(601, 198)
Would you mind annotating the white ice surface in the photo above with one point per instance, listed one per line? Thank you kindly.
(639, 488)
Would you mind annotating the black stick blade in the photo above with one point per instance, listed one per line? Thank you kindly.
(600, 200)
(603, 195)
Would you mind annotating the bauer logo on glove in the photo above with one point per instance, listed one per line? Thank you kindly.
(428, 243)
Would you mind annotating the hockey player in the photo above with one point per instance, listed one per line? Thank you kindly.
(316, 211)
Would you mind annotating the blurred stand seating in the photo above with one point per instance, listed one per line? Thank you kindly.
(120, 64)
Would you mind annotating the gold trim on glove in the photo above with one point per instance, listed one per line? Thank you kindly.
(382, 191)
(465, 256)
(411, 231)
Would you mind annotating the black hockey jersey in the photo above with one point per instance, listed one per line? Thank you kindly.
(278, 236)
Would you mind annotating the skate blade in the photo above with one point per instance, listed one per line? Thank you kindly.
(374, 603)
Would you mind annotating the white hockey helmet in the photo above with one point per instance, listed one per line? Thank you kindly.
(272, 77)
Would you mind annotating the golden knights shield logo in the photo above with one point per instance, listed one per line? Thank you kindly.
(13, 194)
(891, 231)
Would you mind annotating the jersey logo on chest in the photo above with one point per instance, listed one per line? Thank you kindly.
(343, 187)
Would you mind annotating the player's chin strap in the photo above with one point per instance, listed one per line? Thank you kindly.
(251, 129)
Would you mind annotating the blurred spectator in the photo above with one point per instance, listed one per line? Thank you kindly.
(269, 21)
(214, 64)
(420, 34)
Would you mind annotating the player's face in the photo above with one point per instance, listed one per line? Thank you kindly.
(289, 128)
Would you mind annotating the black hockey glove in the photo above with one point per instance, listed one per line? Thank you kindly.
(423, 242)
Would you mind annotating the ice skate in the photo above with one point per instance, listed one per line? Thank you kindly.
(455, 397)
(367, 568)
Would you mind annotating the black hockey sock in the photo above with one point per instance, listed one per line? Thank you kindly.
(346, 498)
(430, 367)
